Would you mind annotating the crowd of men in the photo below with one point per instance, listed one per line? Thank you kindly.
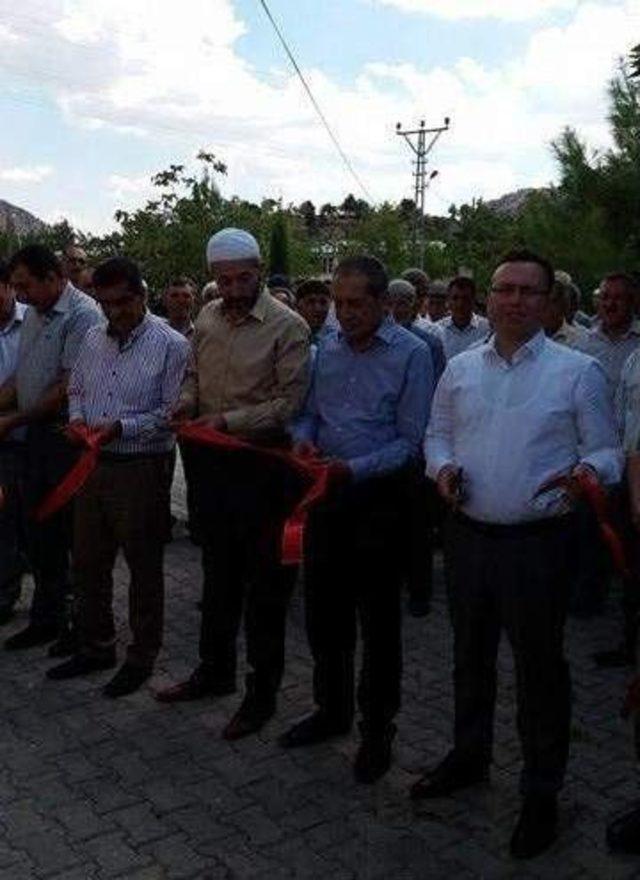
(429, 417)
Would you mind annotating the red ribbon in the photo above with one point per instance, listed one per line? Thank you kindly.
(75, 479)
(315, 472)
(587, 485)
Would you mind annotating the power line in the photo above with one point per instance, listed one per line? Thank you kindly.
(315, 104)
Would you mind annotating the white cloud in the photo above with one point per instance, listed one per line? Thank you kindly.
(514, 10)
(25, 174)
(137, 66)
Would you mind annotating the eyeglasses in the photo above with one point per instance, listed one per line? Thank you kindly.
(523, 289)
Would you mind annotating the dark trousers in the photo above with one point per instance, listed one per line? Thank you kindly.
(48, 458)
(124, 506)
(514, 579)
(243, 503)
(13, 560)
(352, 572)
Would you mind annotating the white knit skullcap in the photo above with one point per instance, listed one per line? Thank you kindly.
(232, 245)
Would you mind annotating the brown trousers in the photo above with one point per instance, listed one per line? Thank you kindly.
(123, 505)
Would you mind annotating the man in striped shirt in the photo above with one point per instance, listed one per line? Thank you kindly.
(125, 383)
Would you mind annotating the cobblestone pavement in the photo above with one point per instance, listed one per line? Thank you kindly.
(92, 788)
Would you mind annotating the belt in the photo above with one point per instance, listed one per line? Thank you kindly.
(536, 527)
(106, 457)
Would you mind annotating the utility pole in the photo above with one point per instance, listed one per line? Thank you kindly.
(417, 140)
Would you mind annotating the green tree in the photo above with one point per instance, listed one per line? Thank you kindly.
(279, 261)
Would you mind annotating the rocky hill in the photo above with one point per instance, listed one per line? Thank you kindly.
(17, 220)
(511, 204)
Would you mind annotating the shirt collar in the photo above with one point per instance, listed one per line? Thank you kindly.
(259, 310)
(135, 334)
(472, 325)
(385, 332)
(531, 348)
(64, 300)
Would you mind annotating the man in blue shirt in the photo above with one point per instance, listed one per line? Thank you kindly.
(366, 411)
(36, 398)
(12, 558)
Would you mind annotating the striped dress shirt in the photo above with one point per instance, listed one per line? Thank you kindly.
(136, 383)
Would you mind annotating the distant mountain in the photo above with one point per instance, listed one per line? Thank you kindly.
(17, 220)
(511, 204)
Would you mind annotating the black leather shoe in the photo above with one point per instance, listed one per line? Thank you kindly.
(126, 680)
(31, 637)
(315, 728)
(196, 688)
(618, 658)
(536, 828)
(79, 665)
(623, 833)
(374, 755)
(251, 717)
(450, 775)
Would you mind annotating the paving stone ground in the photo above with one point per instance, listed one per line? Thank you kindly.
(91, 788)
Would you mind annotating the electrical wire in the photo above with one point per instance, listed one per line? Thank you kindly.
(316, 106)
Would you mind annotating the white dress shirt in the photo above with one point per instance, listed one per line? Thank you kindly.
(513, 426)
(456, 339)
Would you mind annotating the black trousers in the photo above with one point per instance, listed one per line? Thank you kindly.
(243, 503)
(352, 573)
(517, 579)
(48, 458)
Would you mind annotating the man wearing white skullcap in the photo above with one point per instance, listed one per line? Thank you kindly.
(248, 378)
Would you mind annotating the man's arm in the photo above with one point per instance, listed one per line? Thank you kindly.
(438, 442)
(412, 416)
(304, 428)
(598, 441)
(292, 376)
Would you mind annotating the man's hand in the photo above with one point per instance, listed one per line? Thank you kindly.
(449, 483)
(306, 449)
(7, 424)
(580, 470)
(179, 414)
(74, 432)
(216, 422)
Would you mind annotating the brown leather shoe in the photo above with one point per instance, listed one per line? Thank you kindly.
(250, 718)
(195, 688)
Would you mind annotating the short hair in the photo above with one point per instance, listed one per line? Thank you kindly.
(524, 255)
(373, 270)
(625, 278)
(182, 281)
(312, 287)
(119, 270)
(437, 288)
(279, 280)
(400, 288)
(38, 260)
(463, 282)
(417, 277)
(5, 275)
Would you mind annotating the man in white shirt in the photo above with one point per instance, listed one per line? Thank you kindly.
(462, 328)
(508, 416)
(554, 319)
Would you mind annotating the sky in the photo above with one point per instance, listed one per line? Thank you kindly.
(98, 95)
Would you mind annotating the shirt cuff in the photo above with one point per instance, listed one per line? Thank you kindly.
(130, 429)
(608, 465)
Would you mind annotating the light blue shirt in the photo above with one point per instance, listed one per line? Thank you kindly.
(611, 353)
(136, 383)
(513, 426)
(369, 409)
(9, 343)
(49, 343)
(456, 340)
(435, 346)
